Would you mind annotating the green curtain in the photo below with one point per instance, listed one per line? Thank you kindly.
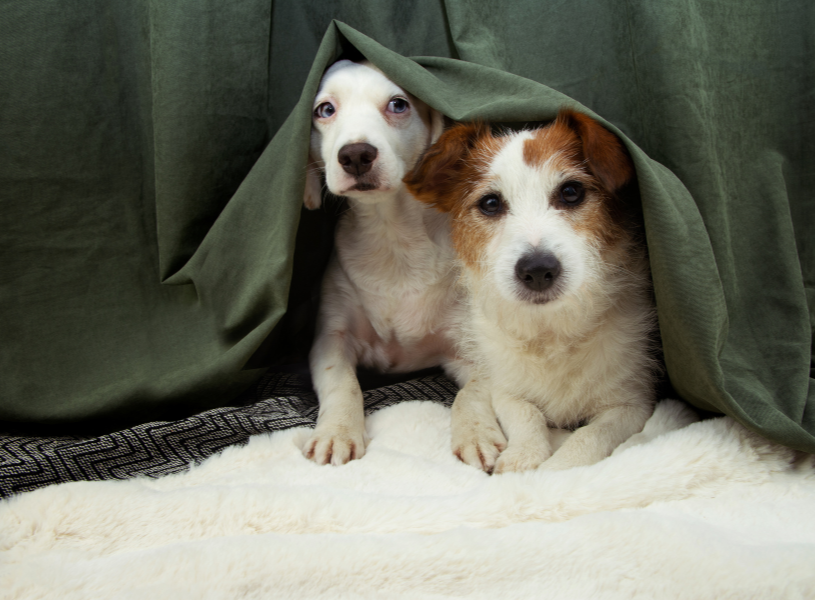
(152, 164)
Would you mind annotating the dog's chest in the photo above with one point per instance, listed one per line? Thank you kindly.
(406, 331)
(405, 305)
(405, 296)
(568, 381)
(397, 265)
(399, 273)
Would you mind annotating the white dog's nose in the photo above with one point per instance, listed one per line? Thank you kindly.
(357, 159)
(537, 270)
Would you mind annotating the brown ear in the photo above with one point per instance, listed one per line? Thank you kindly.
(438, 173)
(604, 152)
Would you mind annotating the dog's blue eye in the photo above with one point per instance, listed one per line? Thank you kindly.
(491, 205)
(572, 193)
(324, 110)
(398, 105)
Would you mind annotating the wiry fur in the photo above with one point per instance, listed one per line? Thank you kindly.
(576, 353)
(390, 285)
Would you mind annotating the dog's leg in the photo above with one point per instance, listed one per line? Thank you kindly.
(340, 432)
(595, 441)
(525, 427)
(477, 438)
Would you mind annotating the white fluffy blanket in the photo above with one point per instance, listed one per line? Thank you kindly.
(683, 510)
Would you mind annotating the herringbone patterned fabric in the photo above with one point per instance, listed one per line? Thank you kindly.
(279, 401)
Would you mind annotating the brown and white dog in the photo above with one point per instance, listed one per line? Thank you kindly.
(390, 286)
(558, 312)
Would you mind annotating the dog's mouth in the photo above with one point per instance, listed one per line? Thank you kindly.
(363, 186)
(538, 298)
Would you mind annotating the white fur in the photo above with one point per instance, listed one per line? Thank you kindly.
(532, 224)
(391, 283)
(704, 510)
(582, 356)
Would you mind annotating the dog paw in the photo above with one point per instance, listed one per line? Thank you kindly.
(479, 446)
(517, 458)
(335, 446)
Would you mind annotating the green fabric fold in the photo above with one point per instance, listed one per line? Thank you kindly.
(150, 244)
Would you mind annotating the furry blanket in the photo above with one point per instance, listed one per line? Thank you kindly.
(683, 510)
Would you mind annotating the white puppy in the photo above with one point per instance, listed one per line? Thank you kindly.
(391, 281)
(559, 315)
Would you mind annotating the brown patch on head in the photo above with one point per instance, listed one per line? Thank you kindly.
(437, 177)
(554, 139)
(605, 155)
(582, 141)
(448, 176)
(593, 157)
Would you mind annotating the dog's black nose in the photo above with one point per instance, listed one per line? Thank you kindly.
(357, 159)
(537, 270)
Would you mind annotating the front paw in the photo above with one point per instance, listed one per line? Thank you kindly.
(334, 444)
(479, 445)
(521, 457)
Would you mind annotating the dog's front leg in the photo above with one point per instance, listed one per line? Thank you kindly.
(477, 438)
(340, 432)
(596, 440)
(525, 428)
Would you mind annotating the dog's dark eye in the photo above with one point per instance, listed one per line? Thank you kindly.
(491, 205)
(324, 110)
(398, 105)
(572, 193)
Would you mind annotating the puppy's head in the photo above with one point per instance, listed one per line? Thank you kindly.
(366, 133)
(534, 213)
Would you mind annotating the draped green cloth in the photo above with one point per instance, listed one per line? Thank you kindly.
(153, 258)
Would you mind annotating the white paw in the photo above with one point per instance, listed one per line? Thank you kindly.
(521, 457)
(479, 445)
(335, 445)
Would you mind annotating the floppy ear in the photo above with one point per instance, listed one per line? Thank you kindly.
(312, 196)
(438, 173)
(436, 125)
(607, 158)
